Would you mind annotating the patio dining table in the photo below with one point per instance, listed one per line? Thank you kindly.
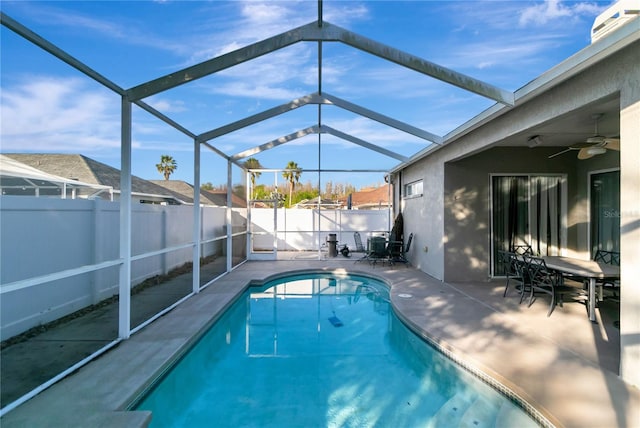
(589, 270)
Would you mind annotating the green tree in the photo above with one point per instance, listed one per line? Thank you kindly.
(261, 192)
(167, 166)
(292, 175)
(207, 186)
(253, 163)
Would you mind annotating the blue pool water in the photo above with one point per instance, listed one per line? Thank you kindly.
(321, 351)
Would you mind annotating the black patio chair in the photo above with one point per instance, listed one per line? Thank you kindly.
(359, 247)
(378, 250)
(517, 271)
(521, 250)
(398, 251)
(512, 270)
(610, 258)
(547, 281)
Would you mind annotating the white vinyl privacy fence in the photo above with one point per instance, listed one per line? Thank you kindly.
(308, 229)
(43, 240)
(58, 256)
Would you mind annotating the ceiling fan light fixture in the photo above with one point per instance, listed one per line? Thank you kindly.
(534, 141)
(596, 139)
(596, 151)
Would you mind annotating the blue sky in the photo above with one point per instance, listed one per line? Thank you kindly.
(49, 107)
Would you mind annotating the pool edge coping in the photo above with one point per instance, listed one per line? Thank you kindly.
(483, 373)
(110, 411)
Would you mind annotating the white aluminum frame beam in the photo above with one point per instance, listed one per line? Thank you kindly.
(386, 120)
(324, 129)
(420, 65)
(326, 99)
(124, 289)
(315, 129)
(219, 63)
(326, 32)
(277, 142)
(259, 117)
(278, 170)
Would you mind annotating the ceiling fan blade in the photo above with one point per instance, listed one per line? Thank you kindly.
(613, 144)
(559, 153)
(582, 145)
(584, 154)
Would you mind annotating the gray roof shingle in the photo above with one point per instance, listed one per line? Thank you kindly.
(82, 168)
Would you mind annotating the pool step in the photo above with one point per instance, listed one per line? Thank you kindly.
(451, 413)
(471, 411)
(480, 414)
(510, 415)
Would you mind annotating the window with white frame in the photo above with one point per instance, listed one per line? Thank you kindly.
(413, 189)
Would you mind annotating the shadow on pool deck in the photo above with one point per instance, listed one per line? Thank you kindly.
(564, 365)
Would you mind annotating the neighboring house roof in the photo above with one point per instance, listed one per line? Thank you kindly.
(369, 198)
(183, 191)
(14, 174)
(87, 170)
(219, 198)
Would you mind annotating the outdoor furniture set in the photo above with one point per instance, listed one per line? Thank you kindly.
(382, 250)
(532, 274)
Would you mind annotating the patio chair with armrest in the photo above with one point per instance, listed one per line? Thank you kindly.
(398, 251)
(610, 258)
(547, 281)
(378, 250)
(521, 250)
(518, 273)
(513, 269)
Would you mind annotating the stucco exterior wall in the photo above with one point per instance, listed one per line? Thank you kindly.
(630, 225)
(437, 214)
(467, 219)
(456, 208)
(423, 215)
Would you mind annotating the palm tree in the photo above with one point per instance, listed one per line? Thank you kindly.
(253, 163)
(167, 166)
(292, 175)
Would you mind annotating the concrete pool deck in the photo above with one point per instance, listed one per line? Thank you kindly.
(563, 365)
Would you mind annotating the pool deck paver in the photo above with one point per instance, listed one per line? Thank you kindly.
(570, 381)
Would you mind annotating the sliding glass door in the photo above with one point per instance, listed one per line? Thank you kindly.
(605, 211)
(527, 210)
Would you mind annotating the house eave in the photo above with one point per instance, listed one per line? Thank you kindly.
(572, 66)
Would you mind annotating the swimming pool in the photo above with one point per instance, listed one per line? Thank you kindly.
(320, 350)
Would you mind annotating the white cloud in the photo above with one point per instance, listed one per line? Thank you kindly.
(284, 75)
(344, 13)
(251, 90)
(556, 11)
(507, 36)
(129, 32)
(50, 114)
(167, 106)
(487, 53)
(258, 21)
(262, 13)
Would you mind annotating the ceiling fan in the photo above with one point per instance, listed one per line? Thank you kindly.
(594, 145)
